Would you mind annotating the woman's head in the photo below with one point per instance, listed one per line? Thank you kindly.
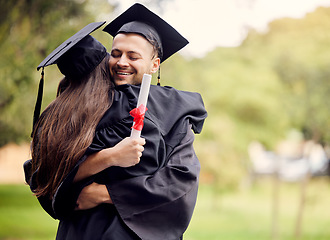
(66, 128)
(74, 64)
(82, 58)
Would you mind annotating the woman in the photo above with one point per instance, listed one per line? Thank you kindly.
(67, 126)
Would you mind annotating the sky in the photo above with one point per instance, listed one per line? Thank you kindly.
(208, 24)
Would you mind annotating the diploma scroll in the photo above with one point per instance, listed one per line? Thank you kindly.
(139, 111)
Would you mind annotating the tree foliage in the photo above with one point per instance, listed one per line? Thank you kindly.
(29, 29)
(271, 83)
(303, 68)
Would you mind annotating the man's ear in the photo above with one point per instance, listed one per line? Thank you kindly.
(155, 65)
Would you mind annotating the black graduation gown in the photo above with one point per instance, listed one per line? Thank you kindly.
(154, 199)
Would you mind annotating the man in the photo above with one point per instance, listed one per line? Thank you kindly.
(138, 47)
(154, 199)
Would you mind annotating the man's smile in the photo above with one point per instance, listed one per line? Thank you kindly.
(123, 73)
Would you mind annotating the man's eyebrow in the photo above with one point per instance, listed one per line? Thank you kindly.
(129, 52)
(134, 52)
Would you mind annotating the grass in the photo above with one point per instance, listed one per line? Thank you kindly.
(21, 216)
(248, 213)
(239, 215)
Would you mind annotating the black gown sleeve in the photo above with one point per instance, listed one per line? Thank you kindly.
(45, 201)
(66, 196)
(160, 206)
(67, 188)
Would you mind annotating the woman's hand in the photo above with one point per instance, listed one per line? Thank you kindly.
(126, 153)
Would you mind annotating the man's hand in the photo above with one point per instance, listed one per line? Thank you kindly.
(92, 196)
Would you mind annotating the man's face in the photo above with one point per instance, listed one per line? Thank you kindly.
(131, 56)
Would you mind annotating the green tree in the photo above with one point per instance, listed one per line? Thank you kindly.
(302, 65)
(273, 82)
(29, 29)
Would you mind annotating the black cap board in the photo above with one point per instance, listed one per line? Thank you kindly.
(171, 40)
(88, 50)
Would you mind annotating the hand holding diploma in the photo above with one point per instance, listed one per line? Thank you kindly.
(139, 112)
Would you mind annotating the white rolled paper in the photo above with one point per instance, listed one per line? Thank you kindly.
(143, 98)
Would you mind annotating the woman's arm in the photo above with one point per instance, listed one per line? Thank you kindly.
(126, 153)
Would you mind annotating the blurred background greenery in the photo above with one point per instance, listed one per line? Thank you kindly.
(258, 91)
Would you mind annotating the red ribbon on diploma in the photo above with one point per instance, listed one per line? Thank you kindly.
(138, 115)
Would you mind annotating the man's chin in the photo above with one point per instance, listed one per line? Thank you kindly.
(120, 82)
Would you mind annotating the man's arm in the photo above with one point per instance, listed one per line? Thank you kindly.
(172, 191)
(92, 196)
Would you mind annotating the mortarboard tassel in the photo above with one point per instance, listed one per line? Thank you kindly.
(37, 106)
(158, 82)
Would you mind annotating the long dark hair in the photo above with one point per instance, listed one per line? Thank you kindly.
(66, 128)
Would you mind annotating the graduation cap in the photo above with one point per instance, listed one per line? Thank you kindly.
(140, 20)
(89, 49)
(75, 57)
